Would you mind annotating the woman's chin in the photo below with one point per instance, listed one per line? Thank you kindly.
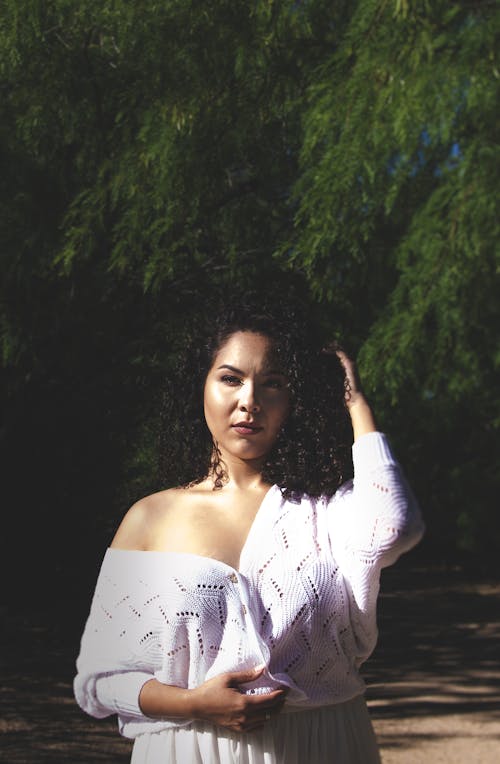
(245, 452)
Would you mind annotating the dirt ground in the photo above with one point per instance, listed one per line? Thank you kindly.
(433, 682)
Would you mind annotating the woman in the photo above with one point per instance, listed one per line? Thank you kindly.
(232, 614)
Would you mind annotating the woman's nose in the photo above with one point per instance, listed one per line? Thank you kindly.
(248, 400)
(250, 408)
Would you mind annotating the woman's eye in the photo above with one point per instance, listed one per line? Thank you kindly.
(275, 384)
(230, 380)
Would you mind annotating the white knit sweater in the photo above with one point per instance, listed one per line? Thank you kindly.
(303, 601)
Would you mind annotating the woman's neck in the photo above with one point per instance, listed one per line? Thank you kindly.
(241, 475)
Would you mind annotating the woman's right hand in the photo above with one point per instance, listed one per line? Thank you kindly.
(220, 701)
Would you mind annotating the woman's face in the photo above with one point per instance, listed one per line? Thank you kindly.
(246, 397)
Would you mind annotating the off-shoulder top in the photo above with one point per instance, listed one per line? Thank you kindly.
(303, 601)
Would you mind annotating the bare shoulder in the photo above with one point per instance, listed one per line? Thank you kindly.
(140, 523)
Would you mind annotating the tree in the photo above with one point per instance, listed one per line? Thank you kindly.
(149, 152)
(155, 154)
(396, 223)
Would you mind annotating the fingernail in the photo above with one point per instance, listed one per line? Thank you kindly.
(260, 667)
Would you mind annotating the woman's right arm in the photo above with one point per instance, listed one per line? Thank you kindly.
(218, 701)
(120, 655)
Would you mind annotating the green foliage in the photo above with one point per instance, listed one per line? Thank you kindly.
(154, 154)
(179, 121)
(396, 218)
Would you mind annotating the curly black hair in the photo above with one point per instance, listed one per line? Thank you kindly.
(312, 452)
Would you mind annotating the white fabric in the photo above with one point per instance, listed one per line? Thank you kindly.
(340, 734)
(303, 601)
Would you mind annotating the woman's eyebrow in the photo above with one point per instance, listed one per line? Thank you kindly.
(231, 368)
(265, 372)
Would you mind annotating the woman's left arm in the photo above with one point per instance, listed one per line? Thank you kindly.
(362, 418)
(376, 518)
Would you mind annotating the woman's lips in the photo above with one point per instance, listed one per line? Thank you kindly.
(243, 428)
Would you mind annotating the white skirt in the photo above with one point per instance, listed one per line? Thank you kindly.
(338, 734)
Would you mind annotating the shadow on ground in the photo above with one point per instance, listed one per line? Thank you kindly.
(435, 675)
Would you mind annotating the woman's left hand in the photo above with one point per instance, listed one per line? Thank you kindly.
(362, 418)
(353, 391)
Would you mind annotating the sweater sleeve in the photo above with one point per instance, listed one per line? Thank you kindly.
(372, 520)
(119, 693)
(375, 517)
(111, 693)
(118, 652)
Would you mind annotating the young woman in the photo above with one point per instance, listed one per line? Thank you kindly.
(232, 614)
